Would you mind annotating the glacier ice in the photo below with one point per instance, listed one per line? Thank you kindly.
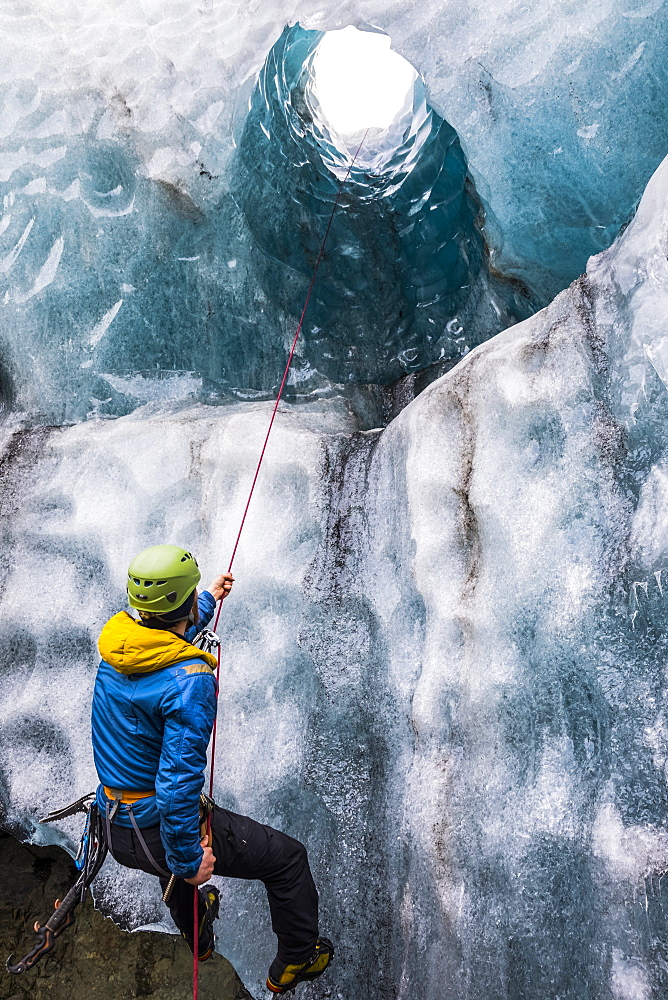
(405, 262)
(122, 146)
(445, 656)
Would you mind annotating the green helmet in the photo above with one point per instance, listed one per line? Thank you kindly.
(161, 578)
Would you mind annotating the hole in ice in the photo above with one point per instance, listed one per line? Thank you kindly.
(410, 218)
(358, 81)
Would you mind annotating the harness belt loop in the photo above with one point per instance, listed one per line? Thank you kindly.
(161, 871)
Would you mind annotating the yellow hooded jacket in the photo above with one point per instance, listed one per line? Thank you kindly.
(131, 648)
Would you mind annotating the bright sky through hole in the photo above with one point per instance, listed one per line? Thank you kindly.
(359, 81)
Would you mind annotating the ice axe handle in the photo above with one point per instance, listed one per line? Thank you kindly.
(168, 891)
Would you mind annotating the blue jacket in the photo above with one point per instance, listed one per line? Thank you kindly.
(154, 706)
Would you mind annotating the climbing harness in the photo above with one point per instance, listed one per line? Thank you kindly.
(245, 513)
(90, 856)
(109, 816)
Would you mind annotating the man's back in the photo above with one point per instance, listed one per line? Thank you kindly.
(153, 709)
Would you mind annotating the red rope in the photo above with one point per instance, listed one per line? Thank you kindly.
(196, 943)
(243, 521)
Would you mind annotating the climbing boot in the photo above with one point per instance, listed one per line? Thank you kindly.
(209, 905)
(283, 978)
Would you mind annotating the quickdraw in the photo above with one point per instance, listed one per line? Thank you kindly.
(90, 857)
(207, 640)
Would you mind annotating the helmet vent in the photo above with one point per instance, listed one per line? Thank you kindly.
(160, 583)
(138, 582)
(148, 583)
(171, 597)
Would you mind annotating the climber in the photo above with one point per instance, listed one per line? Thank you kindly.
(154, 706)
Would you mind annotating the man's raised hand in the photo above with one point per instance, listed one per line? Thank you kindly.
(221, 586)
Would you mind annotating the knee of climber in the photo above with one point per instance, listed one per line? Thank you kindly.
(299, 853)
(294, 858)
(286, 862)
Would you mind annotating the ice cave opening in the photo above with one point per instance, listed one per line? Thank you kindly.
(359, 81)
(405, 284)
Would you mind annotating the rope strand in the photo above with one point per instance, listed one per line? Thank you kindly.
(290, 357)
(196, 943)
(243, 521)
(271, 424)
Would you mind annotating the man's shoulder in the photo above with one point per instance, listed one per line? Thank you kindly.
(189, 668)
(191, 678)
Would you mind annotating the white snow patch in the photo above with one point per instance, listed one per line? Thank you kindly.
(9, 162)
(631, 852)
(589, 131)
(629, 980)
(175, 386)
(9, 260)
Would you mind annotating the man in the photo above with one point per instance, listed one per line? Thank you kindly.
(153, 711)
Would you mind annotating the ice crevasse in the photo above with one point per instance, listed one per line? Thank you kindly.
(445, 658)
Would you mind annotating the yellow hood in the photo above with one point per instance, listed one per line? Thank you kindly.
(131, 648)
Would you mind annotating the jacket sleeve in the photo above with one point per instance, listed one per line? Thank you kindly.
(188, 709)
(206, 606)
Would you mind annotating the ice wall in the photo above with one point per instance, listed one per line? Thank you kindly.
(530, 800)
(128, 271)
(445, 663)
(445, 657)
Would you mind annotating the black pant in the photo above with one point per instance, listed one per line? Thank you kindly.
(243, 849)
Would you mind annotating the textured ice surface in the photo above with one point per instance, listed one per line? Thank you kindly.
(445, 655)
(445, 662)
(122, 252)
(405, 281)
(532, 798)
